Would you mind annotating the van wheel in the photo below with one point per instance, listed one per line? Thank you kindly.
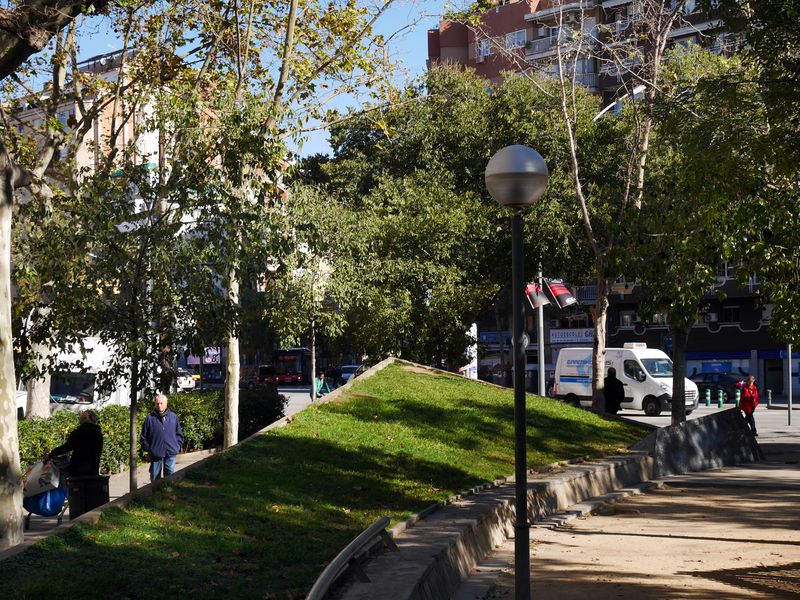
(573, 400)
(652, 407)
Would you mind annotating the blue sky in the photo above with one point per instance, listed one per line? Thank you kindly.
(410, 18)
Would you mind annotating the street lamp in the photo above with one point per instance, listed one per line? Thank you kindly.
(516, 177)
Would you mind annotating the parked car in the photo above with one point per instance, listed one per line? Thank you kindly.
(184, 380)
(727, 382)
(348, 372)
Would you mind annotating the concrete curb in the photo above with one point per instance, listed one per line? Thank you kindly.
(441, 551)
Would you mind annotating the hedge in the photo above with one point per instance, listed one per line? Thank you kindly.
(200, 414)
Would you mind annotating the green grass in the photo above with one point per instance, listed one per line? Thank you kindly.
(262, 520)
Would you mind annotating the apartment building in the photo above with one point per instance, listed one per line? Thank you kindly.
(600, 36)
(115, 126)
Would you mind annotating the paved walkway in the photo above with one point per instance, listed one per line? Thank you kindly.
(727, 533)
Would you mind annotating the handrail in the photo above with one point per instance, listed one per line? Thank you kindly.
(348, 559)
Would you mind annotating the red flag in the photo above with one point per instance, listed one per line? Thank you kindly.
(535, 295)
(559, 293)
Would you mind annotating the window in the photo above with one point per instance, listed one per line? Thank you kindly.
(766, 312)
(660, 318)
(516, 39)
(731, 314)
(483, 48)
(631, 369)
(541, 31)
(658, 367)
(725, 271)
(627, 318)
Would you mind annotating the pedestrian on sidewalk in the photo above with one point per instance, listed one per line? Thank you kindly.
(748, 403)
(323, 387)
(86, 444)
(162, 438)
(614, 392)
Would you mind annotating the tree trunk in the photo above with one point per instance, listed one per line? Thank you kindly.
(232, 372)
(39, 389)
(599, 346)
(680, 341)
(313, 361)
(134, 434)
(10, 472)
(39, 397)
(166, 377)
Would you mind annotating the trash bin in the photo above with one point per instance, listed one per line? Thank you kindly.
(86, 493)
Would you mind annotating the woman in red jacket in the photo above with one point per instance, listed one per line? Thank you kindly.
(748, 402)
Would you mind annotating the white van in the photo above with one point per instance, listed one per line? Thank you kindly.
(645, 372)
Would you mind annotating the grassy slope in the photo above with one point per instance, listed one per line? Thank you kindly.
(267, 516)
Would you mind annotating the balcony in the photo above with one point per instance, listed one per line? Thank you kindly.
(540, 45)
(586, 294)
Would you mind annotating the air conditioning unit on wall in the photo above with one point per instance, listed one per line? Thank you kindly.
(480, 58)
(555, 323)
(712, 317)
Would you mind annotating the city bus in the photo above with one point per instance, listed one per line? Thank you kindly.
(292, 365)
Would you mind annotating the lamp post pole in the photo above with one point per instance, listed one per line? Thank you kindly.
(522, 562)
(516, 177)
(540, 339)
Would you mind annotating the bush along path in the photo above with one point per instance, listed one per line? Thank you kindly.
(263, 519)
(200, 414)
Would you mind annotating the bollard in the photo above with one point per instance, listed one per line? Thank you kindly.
(738, 396)
(769, 398)
(719, 398)
(708, 396)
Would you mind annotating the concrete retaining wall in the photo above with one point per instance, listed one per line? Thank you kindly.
(718, 440)
(439, 552)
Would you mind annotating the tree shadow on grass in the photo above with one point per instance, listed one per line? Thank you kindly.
(265, 517)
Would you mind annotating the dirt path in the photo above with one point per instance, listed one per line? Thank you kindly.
(688, 540)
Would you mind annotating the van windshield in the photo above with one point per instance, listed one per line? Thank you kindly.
(658, 367)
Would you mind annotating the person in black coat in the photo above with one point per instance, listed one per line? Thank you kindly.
(614, 392)
(86, 444)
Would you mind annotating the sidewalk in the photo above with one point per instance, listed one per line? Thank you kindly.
(728, 533)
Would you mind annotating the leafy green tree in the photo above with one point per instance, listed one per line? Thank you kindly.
(765, 166)
(432, 250)
(25, 29)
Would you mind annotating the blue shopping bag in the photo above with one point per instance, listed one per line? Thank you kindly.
(46, 504)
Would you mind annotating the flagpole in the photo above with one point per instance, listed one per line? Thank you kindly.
(540, 337)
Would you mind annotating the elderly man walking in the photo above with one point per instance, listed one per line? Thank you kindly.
(162, 438)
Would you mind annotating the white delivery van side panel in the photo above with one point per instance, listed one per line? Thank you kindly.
(573, 378)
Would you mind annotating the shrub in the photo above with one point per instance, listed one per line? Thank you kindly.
(115, 422)
(37, 436)
(200, 414)
(258, 408)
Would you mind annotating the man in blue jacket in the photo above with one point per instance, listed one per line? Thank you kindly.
(162, 438)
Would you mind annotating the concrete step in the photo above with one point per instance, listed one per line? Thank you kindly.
(459, 540)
